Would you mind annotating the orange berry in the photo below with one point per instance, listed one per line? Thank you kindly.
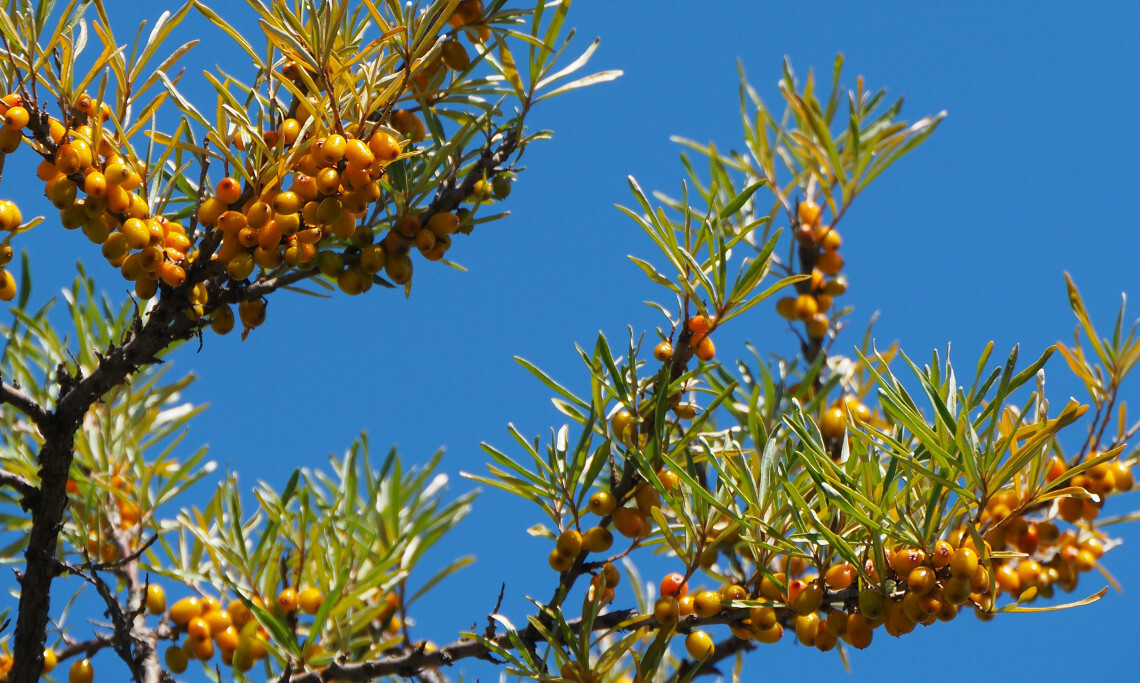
(384, 147)
(804, 307)
(828, 238)
(830, 262)
(1122, 476)
(16, 117)
(809, 212)
(288, 600)
(310, 600)
(623, 426)
(172, 273)
(903, 560)
(674, 585)
(443, 223)
(228, 190)
(7, 285)
(964, 563)
(840, 576)
(10, 215)
(184, 610)
(700, 324)
(629, 522)
(334, 148)
(705, 350)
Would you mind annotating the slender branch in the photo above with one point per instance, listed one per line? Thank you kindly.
(16, 397)
(28, 492)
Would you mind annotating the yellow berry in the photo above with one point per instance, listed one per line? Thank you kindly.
(155, 599)
(81, 672)
(184, 610)
(699, 645)
(311, 600)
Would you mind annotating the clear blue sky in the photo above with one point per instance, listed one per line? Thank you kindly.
(964, 241)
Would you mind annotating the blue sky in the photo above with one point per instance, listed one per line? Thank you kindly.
(963, 242)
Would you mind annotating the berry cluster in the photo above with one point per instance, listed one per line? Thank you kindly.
(916, 586)
(232, 630)
(820, 258)
(309, 204)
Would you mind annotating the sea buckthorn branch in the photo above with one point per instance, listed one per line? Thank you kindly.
(16, 397)
(163, 326)
(28, 492)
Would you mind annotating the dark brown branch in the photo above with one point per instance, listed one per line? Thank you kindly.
(28, 492)
(17, 398)
(165, 325)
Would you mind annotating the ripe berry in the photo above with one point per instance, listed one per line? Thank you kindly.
(707, 604)
(629, 522)
(602, 503)
(809, 599)
(830, 262)
(809, 212)
(184, 610)
(786, 307)
(833, 423)
(667, 610)
(228, 190)
(334, 148)
(310, 600)
(699, 645)
(7, 285)
(569, 543)
(943, 553)
(358, 154)
(921, 580)
(964, 563)
(222, 321)
(16, 117)
(903, 560)
(155, 599)
(700, 324)
(252, 312)
(1122, 476)
(287, 600)
(840, 576)
(198, 629)
(804, 307)
(597, 540)
(202, 649)
(454, 55)
(81, 672)
(705, 350)
(674, 585)
(10, 216)
(623, 426)
(384, 147)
